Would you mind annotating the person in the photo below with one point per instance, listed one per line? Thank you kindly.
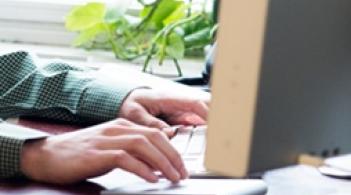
(131, 123)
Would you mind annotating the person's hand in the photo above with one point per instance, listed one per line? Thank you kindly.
(160, 109)
(72, 157)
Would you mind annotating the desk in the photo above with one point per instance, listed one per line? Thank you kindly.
(27, 187)
(294, 180)
(304, 180)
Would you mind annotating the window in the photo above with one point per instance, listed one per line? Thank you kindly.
(37, 21)
(42, 21)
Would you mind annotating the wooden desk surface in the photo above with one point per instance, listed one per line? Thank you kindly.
(19, 187)
(295, 180)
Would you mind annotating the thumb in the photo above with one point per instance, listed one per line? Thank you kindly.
(151, 121)
(154, 122)
(146, 119)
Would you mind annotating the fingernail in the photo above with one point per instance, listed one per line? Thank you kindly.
(185, 173)
(153, 178)
(176, 175)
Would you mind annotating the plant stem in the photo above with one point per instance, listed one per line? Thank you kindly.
(115, 47)
(149, 56)
(171, 27)
(179, 70)
(190, 8)
(148, 17)
(165, 33)
(130, 38)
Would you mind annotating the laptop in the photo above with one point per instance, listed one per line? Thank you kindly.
(280, 89)
(190, 142)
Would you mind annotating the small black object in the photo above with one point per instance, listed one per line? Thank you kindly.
(206, 74)
(203, 81)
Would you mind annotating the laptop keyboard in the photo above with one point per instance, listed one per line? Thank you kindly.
(190, 142)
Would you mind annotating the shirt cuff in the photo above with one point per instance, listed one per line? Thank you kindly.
(10, 154)
(12, 138)
(102, 101)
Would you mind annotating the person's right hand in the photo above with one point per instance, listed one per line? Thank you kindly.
(75, 156)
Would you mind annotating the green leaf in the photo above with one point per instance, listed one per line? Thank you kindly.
(164, 10)
(175, 46)
(198, 24)
(176, 15)
(86, 16)
(199, 38)
(145, 11)
(89, 34)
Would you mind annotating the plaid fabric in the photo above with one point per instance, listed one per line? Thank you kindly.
(10, 152)
(57, 91)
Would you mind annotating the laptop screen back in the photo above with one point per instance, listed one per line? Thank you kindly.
(281, 84)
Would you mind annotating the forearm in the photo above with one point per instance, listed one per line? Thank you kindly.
(56, 90)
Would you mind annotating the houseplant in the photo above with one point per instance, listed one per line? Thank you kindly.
(161, 29)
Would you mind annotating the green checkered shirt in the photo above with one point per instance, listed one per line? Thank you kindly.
(56, 91)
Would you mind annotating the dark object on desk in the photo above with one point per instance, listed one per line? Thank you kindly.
(203, 81)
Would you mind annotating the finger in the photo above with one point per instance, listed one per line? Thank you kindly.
(172, 131)
(145, 118)
(154, 135)
(119, 122)
(159, 140)
(123, 122)
(153, 156)
(146, 151)
(153, 122)
(200, 108)
(162, 143)
(112, 130)
(197, 107)
(125, 161)
(186, 119)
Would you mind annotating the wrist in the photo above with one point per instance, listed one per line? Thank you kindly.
(133, 96)
(32, 152)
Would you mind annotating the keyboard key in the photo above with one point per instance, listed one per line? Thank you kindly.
(180, 142)
(196, 145)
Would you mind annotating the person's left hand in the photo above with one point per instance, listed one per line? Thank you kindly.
(160, 109)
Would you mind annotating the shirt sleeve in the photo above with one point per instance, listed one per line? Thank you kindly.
(56, 90)
(12, 138)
